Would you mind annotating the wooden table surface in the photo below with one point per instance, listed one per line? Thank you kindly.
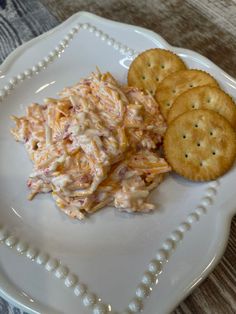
(208, 27)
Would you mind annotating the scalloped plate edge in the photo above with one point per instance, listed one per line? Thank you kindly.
(9, 291)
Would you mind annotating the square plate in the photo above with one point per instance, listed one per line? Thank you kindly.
(112, 262)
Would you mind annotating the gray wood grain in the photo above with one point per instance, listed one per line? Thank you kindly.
(21, 21)
(206, 26)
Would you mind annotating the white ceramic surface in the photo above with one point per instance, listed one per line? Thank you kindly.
(112, 262)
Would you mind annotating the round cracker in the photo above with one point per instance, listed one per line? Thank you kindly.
(200, 145)
(177, 83)
(151, 67)
(204, 97)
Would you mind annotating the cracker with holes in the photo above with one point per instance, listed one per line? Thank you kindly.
(204, 97)
(151, 67)
(177, 83)
(200, 145)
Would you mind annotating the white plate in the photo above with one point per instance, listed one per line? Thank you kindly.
(119, 257)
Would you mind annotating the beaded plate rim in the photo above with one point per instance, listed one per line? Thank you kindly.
(53, 265)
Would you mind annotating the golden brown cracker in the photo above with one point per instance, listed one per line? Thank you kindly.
(204, 97)
(151, 67)
(200, 145)
(177, 83)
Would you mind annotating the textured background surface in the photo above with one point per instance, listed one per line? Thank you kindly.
(20, 21)
(206, 26)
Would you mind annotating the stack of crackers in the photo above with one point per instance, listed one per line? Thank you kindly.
(200, 141)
